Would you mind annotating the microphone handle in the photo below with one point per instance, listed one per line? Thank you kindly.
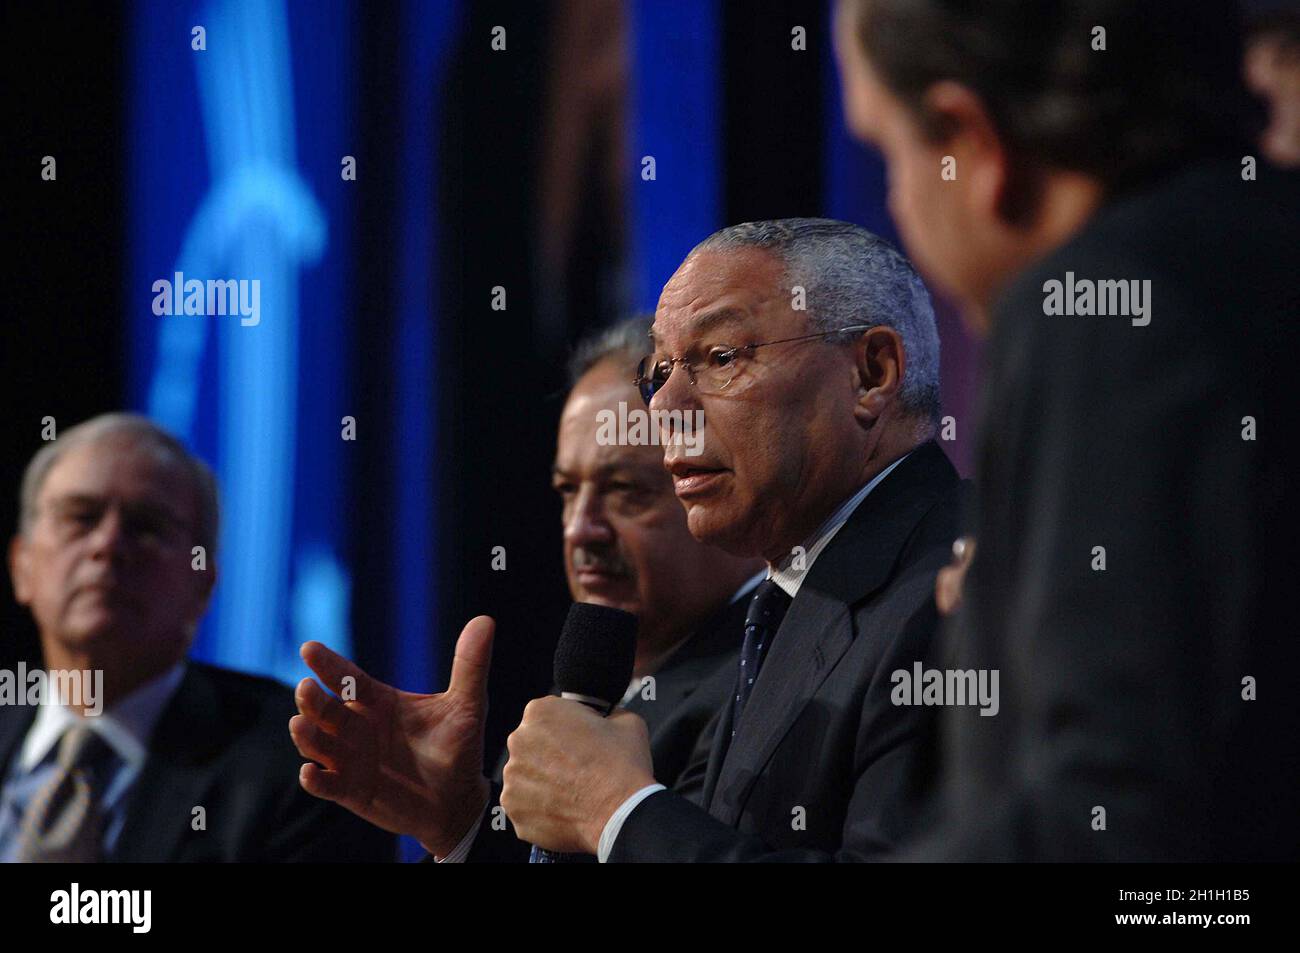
(538, 855)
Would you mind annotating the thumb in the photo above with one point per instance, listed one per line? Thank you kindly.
(469, 669)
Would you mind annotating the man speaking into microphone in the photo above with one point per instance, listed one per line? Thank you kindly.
(817, 456)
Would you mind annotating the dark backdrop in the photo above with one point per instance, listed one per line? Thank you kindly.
(499, 375)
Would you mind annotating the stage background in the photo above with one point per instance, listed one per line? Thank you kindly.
(476, 168)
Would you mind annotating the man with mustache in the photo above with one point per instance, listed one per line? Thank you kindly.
(811, 347)
(1130, 574)
(626, 545)
(175, 760)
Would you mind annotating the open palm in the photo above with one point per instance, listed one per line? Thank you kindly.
(406, 762)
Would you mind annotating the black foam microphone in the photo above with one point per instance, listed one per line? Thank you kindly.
(593, 665)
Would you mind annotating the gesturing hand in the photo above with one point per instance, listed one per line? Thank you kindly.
(409, 763)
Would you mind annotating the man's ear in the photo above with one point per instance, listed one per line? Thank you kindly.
(880, 363)
(20, 568)
(971, 138)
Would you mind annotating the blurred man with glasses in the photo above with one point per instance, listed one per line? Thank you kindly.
(173, 760)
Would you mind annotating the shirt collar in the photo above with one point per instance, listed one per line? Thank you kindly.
(126, 725)
(789, 574)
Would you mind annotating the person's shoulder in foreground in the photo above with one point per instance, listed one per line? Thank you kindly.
(1137, 581)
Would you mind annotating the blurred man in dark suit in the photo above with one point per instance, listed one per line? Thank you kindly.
(1105, 221)
(162, 759)
(811, 348)
(626, 545)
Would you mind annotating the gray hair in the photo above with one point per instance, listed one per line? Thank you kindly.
(851, 276)
(626, 341)
(146, 432)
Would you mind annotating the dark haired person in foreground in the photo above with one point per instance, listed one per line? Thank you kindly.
(172, 760)
(1136, 273)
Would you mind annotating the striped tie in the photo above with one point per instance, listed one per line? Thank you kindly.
(63, 822)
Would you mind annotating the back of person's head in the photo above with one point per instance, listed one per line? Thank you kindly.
(1115, 89)
(1280, 27)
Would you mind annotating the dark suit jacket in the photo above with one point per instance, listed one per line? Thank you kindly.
(824, 766)
(222, 743)
(691, 687)
(1122, 688)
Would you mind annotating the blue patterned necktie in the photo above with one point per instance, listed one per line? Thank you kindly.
(766, 610)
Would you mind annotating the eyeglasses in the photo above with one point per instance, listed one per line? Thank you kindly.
(718, 369)
(145, 526)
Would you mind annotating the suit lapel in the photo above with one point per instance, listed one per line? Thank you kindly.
(681, 674)
(818, 627)
(717, 756)
(814, 634)
(731, 622)
(175, 774)
(14, 725)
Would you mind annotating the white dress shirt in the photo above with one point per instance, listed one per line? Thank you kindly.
(126, 727)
